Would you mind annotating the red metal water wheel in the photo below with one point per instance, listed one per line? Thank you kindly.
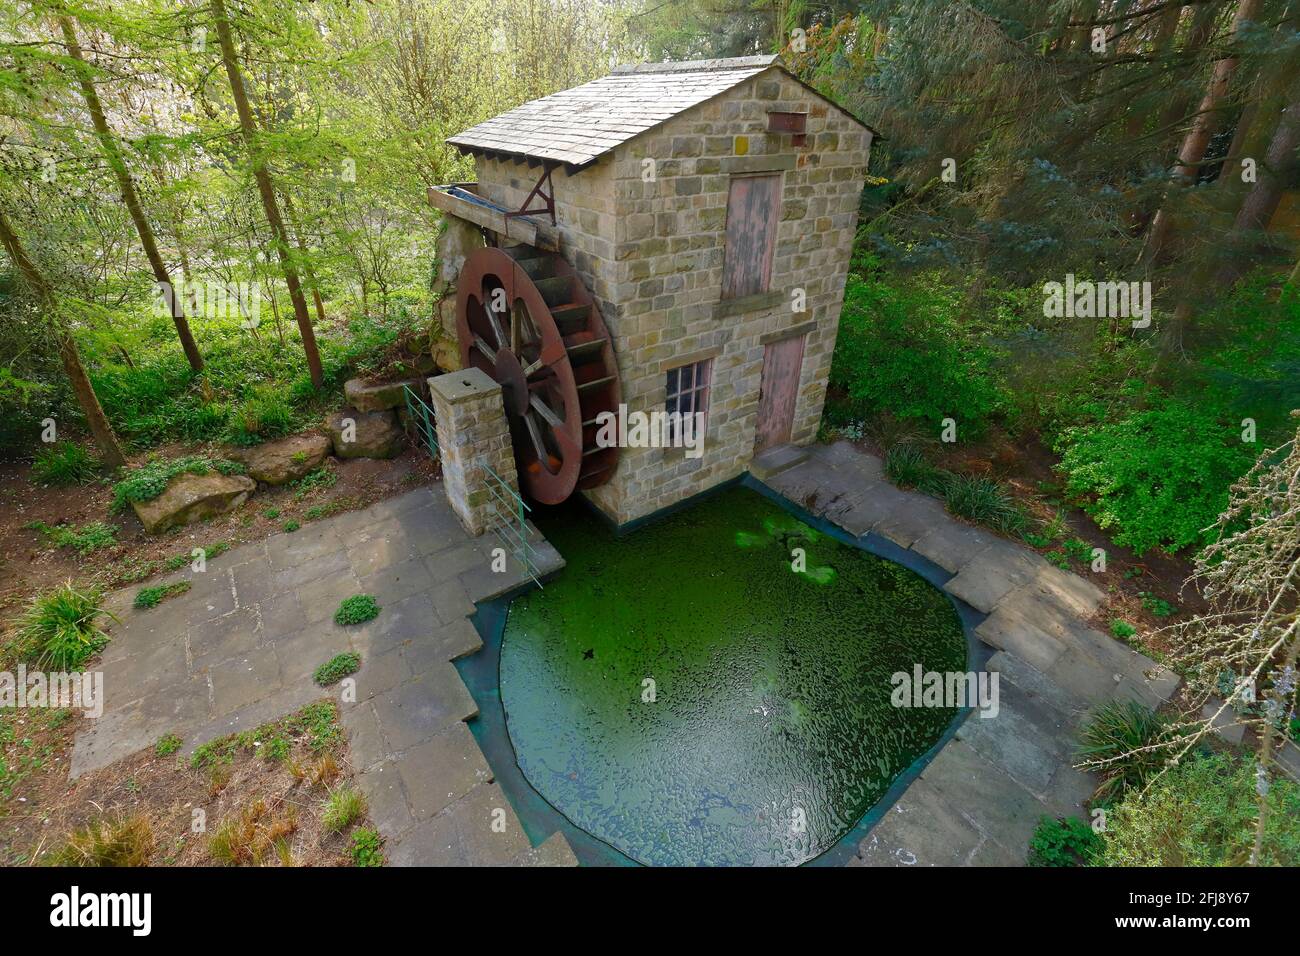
(525, 318)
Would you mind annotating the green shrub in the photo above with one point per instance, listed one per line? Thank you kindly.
(1204, 813)
(149, 597)
(1158, 606)
(1157, 477)
(64, 464)
(356, 610)
(167, 745)
(1065, 842)
(150, 480)
(290, 526)
(60, 629)
(1114, 732)
(277, 749)
(907, 467)
(337, 668)
(367, 847)
(1122, 629)
(83, 540)
(901, 350)
(984, 501)
(344, 807)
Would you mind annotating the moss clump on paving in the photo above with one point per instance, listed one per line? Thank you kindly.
(356, 610)
(146, 598)
(714, 688)
(337, 668)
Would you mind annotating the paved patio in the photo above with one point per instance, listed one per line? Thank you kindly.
(239, 648)
(978, 801)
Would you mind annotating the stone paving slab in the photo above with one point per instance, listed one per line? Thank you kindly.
(239, 650)
(479, 829)
(919, 830)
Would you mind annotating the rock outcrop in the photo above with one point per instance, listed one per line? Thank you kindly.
(378, 396)
(369, 434)
(280, 462)
(189, 498)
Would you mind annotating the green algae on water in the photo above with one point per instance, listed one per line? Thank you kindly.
(685, 695)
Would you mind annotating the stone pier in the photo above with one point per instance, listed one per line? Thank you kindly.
(473, 435)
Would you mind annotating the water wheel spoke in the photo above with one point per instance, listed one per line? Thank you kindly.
(535, 434)
(486, 349)
(494, 320)
(545, 411)
(551, 354)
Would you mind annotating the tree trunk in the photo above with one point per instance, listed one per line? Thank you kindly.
(129, 195)
(1197, 139)
(266, 190)
(1198, 36)
(1160, 44)
(1262, 201)
(100, 427)
(317, 301)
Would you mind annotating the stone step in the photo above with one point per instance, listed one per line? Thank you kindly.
(772, 461)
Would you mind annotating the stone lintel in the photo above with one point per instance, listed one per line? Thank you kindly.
(759, 164)
(748, 303)
(780, 335)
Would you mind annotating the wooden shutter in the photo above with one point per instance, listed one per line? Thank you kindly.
(753, 211)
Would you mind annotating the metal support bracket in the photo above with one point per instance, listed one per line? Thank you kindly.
(547, 196)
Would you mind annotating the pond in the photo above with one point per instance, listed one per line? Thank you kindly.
(714, 688)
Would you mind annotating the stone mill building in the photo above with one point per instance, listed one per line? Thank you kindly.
(670, 237)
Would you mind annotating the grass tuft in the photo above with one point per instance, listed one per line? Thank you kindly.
(108, 843)
(1124, 741)
(983, 501)
(343, 807)
(60, 628)
(64, 464)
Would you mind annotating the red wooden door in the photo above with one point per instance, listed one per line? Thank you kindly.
(781, 364)
(753, 211)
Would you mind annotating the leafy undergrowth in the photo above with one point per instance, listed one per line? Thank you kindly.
(280, 795)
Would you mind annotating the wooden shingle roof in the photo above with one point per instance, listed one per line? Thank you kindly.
(578, 126)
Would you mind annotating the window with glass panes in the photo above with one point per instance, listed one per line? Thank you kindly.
(688, 392)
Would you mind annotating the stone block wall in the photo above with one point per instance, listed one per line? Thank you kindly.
(472, 432)
(669, 239)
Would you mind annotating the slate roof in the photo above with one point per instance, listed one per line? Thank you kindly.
(578, 126)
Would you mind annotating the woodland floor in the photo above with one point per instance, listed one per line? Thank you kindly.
(273, 806)
(29, 563)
